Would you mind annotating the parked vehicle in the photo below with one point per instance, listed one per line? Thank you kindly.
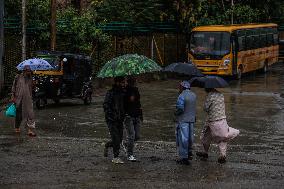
(69, 78)
(232, 50)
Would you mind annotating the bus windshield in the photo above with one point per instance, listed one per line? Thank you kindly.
(210, 44)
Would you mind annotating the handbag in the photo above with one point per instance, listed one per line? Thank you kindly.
(11, 110)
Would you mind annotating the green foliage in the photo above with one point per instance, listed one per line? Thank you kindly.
(215, 12)
(37, 15)
(84, 35)
(132, 11)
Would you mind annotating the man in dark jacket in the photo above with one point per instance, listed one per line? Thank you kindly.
(114, 116)
(133, 116)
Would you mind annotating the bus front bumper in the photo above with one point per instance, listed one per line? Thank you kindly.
(215, 70)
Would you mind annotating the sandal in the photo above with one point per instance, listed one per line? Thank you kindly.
(17, 130)
(31, 133)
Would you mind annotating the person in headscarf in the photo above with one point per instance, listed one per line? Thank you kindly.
(185, 116)
(216, 128)
(22, 97)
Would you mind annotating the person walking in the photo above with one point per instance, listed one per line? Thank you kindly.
(216, 128)
(114, 115)
(185, 116)
(22, 97)
(133, 117)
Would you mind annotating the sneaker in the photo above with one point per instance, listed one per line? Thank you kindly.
(202, 155)
(222, 159)
(106, 152)
(183, 161)
(131, 158)
(190, 156)
(117, 161)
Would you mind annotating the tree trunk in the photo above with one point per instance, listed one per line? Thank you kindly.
(53, 25)
(24, 25)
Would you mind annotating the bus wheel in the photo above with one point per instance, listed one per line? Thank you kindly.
(56, 100)
(40, 103)
(88, 99)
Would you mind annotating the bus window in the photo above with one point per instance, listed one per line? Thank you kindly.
(275, 36)
(249, 44)
(275, 39)
(255, 39)
(242, 43)
(262, 40)
(269, 39)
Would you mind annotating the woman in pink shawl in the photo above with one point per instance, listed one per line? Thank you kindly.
(22, 97)
(216, 128)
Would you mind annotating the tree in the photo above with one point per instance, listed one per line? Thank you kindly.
(140, 11)
(82, 29)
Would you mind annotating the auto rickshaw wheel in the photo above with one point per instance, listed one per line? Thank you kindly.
(88, 99)
(41, 103)
(56, 101)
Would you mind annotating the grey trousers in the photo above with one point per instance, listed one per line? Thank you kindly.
(132, 128)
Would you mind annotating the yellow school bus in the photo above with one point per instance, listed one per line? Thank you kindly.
(231, 50)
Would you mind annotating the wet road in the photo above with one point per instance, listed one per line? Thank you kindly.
(68, 151)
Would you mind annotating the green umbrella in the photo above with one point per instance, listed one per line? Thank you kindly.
(129, 64)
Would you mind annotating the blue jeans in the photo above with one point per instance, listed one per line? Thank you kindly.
(184, 139)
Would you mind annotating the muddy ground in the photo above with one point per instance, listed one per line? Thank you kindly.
(68, 150)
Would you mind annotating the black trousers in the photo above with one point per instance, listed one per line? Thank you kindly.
(18, 118)
(116, 134)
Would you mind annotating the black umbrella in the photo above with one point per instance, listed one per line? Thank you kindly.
(209, 82)
(184, 68)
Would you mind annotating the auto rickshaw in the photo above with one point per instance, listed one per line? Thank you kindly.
(69, 78)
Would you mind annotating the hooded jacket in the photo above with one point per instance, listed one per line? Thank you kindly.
(114, 104)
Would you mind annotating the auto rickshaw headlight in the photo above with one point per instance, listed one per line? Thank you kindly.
(36, 89)
(35, 82)
(51, 80)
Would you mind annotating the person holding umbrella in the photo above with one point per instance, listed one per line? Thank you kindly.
(22, 97)
(133, 116)
(114, 115)
(185, 116)
(215, 128)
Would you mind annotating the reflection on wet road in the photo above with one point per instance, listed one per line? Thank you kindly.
(254, 105)
(69, 145)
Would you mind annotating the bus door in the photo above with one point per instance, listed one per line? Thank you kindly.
(234, 42)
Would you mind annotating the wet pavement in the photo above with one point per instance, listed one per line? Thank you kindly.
(68, 151)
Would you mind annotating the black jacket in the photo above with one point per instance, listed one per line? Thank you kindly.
(132, 102)
(114, 104)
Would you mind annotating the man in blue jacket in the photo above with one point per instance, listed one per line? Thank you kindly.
(185, 116)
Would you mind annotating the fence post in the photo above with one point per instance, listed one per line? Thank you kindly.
(115, 45)
(24, 3)
(1, 46)
(152, 47)
(164, 48)
(177, 44)
(53, 25)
